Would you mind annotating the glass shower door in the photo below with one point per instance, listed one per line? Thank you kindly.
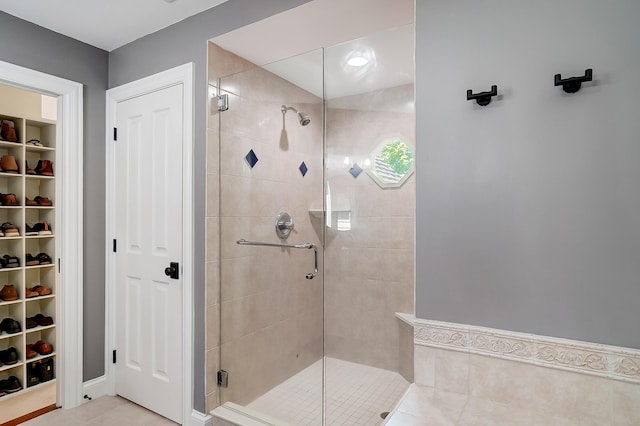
(369, 242)
(271, 299)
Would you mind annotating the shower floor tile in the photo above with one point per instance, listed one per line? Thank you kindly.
(356, 395)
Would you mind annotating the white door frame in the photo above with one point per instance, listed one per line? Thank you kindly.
(69, 213)
(182, 74)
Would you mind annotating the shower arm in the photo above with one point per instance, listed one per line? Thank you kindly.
(310, 275)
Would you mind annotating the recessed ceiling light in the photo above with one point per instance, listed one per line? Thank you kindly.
(357, 61)
(169, 1)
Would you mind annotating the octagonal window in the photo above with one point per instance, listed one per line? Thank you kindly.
(392, 162)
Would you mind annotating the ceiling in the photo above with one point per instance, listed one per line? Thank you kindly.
(287, 44)
(341, 26)
(105, 24)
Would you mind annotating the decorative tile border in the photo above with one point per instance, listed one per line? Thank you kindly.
(582, 357)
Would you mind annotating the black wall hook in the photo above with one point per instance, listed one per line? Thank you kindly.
(483, 98)
(573, 84)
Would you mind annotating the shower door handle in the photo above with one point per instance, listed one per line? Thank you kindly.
(310, 275)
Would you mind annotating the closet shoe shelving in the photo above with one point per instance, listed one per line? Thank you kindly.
(28, 185)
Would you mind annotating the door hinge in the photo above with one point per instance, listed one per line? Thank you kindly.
(223, 379)
(115, 133)
(115, 245)
(223, 102)
(59, 267)
(114, 356)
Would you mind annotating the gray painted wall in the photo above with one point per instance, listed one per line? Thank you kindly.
(39, 49)
(185, 42)
(527, 214)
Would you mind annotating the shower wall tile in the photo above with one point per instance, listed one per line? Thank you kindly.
(500, 380)
(529, 392)
(577, 396)
(213, 148)
(213, 191)
(222, 63)
(626, 403)
(213, 248)
(237, 194)
(452, 371)
(405, 352)
(212, 339)
(213, 283)
(238, 268)
(478, 410)
(425, 366)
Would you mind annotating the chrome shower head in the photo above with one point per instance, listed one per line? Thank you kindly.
(303, 117)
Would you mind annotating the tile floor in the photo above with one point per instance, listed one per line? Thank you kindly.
(106, 410)
(356, 395)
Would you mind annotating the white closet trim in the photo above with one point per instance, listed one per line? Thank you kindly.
(69, 232)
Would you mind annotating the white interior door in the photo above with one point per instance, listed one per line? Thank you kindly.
(148, 226)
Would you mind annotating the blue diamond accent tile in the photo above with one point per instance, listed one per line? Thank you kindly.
(251, 158)
(355, 170)
(303, 169)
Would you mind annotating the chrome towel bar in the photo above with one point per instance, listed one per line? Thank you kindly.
(310, 275)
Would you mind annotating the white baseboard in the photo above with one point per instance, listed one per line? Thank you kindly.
(199, 419)
(95, 388)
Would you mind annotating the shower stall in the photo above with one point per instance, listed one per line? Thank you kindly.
(310, 232)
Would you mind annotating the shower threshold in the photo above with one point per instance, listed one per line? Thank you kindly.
(356, 394)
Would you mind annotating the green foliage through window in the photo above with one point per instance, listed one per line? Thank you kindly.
(398, 155)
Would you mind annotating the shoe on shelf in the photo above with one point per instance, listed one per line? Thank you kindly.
(42, 347)
(11, 385)
(42, 290)
(9, 200)
(40, 228)
(34, 142)
(29, 259)
(28, 169)
(9, 356)
(33, 372)
(30, 202)
(9, 230)
(43, 201)
(9, 293)
(8, 164)
(30, 352)
(8, 131)
(42, 320)
(10, 326)
(31, 323)
(29, 293)
(29, 231)
(44, 168)
(10, 261)
(43, 258)
(46, 370)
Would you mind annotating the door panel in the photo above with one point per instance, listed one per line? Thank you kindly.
(149, 222)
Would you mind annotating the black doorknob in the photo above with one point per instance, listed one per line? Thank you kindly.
(173, 270)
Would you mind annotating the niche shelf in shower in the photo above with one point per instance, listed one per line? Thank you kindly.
(319, 213)
(338, 219)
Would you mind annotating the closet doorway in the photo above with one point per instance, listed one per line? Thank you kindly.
(41, 242)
